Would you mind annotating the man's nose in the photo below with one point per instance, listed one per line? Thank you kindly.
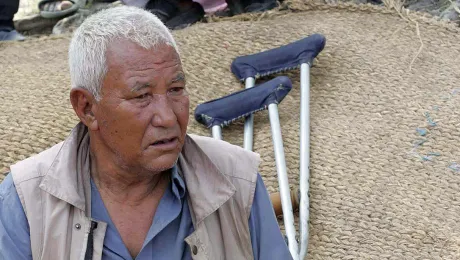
(163, 112)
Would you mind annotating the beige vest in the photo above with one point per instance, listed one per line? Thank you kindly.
(54, 189)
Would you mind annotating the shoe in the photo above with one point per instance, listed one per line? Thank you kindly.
(260, 6)
(11, 35)
(163, 9)
(188, 17)
(252, 6)
(235, 6)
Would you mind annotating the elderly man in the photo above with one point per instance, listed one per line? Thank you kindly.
(128, 182)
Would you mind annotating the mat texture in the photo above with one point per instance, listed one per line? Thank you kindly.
(379, 189)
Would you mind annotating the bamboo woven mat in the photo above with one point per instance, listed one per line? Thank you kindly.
(379, 189)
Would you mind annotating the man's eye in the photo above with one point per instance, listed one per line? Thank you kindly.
(143, 96)
(178, 91)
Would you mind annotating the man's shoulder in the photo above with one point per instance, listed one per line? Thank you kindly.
(213, 145)
(216, 144)
(231, 159)
(35, 166)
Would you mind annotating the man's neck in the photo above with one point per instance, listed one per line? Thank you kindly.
(122, 186)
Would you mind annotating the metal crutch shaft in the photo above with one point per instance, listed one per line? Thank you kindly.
(304, 156)
(249, 122)
(217, 132)
(283, 181)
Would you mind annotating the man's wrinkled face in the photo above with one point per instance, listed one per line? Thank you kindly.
(144, 108)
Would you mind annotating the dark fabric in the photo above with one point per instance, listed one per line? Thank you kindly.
(225, 110)
(258, 5)
(246, 6)
(7, 34)
(236, 6)
(90, 245)
(280, 59)
(8, 8)
(163, 9)
(190, 16)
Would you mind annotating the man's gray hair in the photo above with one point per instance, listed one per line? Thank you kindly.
(87, 51)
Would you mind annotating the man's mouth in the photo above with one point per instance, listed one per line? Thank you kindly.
(167, 143)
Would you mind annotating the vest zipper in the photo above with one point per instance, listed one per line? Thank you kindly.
(90, 244)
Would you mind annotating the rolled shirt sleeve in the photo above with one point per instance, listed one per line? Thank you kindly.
(14, 228)
(267, 240)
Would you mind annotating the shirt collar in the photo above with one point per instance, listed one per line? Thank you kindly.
(177, 183)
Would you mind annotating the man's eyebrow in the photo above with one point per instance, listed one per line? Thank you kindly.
(179, 77)
(138, 86)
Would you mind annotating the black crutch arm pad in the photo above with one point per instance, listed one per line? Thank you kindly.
(283, 58)
(225, 110)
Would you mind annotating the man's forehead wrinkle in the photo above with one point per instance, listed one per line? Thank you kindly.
(150, 61)
(161, 51)
(139, 68)
(139, 64)
(154, 55)
(137, 71)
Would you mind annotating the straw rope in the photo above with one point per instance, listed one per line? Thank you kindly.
(379, 189)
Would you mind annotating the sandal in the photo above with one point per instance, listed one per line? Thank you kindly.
(57, 8)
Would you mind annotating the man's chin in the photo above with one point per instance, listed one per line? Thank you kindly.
(162, 163)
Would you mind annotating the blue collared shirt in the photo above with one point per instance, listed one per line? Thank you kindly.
(172, 223)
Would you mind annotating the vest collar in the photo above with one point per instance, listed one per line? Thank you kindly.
(208, 188)
(68, 177)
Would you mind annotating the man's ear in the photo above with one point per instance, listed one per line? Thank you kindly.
(84, 104)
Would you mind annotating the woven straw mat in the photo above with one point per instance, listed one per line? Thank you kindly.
(379, 189)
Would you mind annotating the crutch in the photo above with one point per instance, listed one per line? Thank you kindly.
(300, 53)
(221, 112)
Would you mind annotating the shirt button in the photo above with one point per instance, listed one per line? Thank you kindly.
(194, 250)
(77, 226)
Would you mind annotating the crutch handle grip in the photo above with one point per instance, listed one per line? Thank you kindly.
(276, 201)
